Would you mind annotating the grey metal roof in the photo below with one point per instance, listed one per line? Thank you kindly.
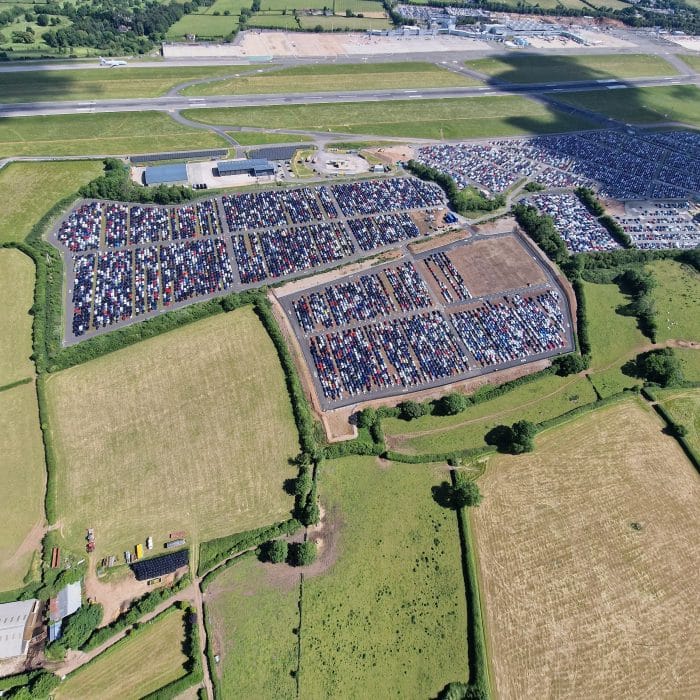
(13, 620)
(162, 174)
(243, 166)
(69, 599)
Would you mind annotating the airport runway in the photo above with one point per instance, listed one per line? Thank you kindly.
(175, 103)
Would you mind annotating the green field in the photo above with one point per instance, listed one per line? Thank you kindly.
(134, 667)
(539, 400)
(453, 118)
(521, 68)
(693, 60)
(260, 138)
(203, 26)
(329, 78)
(642, 105)
(690, 363)
(684, 407)
(383, 609)
(676, 296)
(191, 430)
(17, 293)
(613, 336)
(357, 6)
(109, 134)
(22, 483)
(102, 83)
(30, 190)
(250, 622)
(388, 619)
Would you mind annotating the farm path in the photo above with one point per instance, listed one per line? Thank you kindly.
(75, 659)
(199, 607)
(395, 441)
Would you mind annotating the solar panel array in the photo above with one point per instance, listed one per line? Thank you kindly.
(178, 155)
(160, 566)
(276, 152)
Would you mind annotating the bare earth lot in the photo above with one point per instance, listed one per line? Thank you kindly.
(490, 266)
(191, 431)
(579, 603)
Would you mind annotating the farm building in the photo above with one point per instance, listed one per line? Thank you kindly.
(256, 167)
(17, 621)
(68, 600)
(160, 566)
(166, 174)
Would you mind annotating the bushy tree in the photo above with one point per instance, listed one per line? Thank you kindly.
(409, 410)
(302, 553)
(275, 551)
(466, 494)
(302, 484)
(569, 364)
(523, 437)
(660, 366)
(80, 625)
(452, 404)
(367, 417)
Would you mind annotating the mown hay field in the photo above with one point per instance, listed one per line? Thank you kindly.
(541, 69)
(17, 294)
(324, 78)
(539, 400)
(192, 430)
(22, 483)
(30, 190)
(589, 550)
(388, 618)
(81, 134)
(134, 667)
(676, 297)
(454, 118)
(251, 620)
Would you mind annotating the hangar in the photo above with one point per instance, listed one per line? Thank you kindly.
(166, 174)
(17, 621)
(256, 167)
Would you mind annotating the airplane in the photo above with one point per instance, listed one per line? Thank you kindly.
(111, 62)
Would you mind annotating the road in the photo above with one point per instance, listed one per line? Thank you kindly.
(175, 103)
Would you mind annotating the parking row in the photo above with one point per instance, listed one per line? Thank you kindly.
(386, 195)
(401, 352)
(662, 225)
(123, 225)
(580, 230)
(623, 165)
(447, 277)
(116, 285)
(366, 297)
(512, 329)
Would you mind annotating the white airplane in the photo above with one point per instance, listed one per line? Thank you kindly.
(111, 62)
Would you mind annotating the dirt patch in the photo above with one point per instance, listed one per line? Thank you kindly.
(393, 154)
(492, 265)
(506, 224)
(440, 240)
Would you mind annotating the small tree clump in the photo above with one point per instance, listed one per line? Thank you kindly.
(302, 553)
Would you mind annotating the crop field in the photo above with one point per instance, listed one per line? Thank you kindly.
(357, 6)
(81, 134)
(250, 620)
(30, 189)
(676, 297)
(642, 105)
(324, 78)
(540, 400)
(102, 83)
(191, 431)
(22, 480)
(134, 667)
(17, 294)
(389, 616)
(684, 407)
(542, 69)
(260, 138)
(438, 119)
(589, 549)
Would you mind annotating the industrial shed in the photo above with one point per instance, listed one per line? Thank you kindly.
(166, 174)
(17, 621)
(248, 166)
(160, 566)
